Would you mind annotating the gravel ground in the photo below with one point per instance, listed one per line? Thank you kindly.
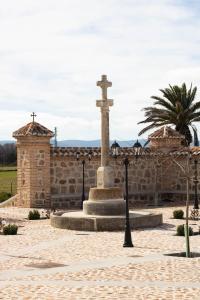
(43, 262)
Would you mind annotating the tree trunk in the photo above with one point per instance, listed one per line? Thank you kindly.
(187, 237)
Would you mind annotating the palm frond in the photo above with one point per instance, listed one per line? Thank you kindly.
(151, 126)
(175, 107)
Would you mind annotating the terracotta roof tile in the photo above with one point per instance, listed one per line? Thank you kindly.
(33, 128)
(166, 132)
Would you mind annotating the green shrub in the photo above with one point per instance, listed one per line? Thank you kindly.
(178, 214)
(34, 215)
(180, 230)
(10, 229)
(4, 196)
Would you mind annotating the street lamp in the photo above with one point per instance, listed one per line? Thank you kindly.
(83, 174)
(115, 149)
(137, 149)
(195, 211)
(196, 202)
(137, 152)
(127, 236)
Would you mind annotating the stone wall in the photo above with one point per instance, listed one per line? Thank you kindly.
(152, 177)
(52, 177)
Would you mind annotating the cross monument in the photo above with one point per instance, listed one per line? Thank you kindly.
(104, 173)
(105, 199)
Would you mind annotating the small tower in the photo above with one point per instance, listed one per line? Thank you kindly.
(33, 165)
(166, 139)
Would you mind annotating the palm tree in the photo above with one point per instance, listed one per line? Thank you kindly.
(176, 107)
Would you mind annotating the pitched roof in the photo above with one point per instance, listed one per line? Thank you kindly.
(166, 132)
(33, 128)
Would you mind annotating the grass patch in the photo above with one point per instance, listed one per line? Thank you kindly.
(4, 196)
(8, 181)
(8, 168)
(8, 175)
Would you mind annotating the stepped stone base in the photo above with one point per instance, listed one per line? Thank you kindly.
(105, 202)
(80, 221)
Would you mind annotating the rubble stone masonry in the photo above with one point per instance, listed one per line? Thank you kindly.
(33, 172)
(152, 177)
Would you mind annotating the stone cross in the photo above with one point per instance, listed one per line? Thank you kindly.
(104, 85)
(33, 115)
(104, 104)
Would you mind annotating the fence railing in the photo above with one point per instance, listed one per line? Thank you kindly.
(8, 186)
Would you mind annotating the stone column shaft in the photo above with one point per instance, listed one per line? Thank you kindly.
(105, 137)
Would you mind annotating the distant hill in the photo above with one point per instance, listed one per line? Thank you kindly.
(77, 143)
(81, 143)
(94, 143)
(3, 142)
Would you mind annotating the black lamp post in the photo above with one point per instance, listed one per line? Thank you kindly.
(127, 236)
(137, 151)
(196, 202)
(83, 175)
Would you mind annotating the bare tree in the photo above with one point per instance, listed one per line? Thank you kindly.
(8, 154)
(185, 169)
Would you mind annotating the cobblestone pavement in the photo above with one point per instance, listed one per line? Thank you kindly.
(43, 262)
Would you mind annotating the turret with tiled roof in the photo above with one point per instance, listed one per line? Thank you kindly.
(33, 165)
(166, 139)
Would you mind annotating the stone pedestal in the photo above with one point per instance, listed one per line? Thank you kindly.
(104, 202)
(105, 177)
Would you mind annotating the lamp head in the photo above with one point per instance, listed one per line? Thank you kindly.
(77, 155)
(90, 155)
(137, 147)
(115, 149)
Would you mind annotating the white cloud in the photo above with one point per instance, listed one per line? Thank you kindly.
(52, 53)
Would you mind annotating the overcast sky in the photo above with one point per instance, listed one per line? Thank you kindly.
(52, 52)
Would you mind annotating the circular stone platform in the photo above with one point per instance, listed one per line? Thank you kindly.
(77, 220)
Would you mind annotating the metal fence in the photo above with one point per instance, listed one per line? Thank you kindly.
(8, 186)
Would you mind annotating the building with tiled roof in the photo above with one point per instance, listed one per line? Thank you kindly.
(33, 165)
(166, 139)
(166, 131)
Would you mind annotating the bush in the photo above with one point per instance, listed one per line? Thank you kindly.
(34, 215)
(4, 196)
(180, 230)
(178, 214)
(10, 229)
